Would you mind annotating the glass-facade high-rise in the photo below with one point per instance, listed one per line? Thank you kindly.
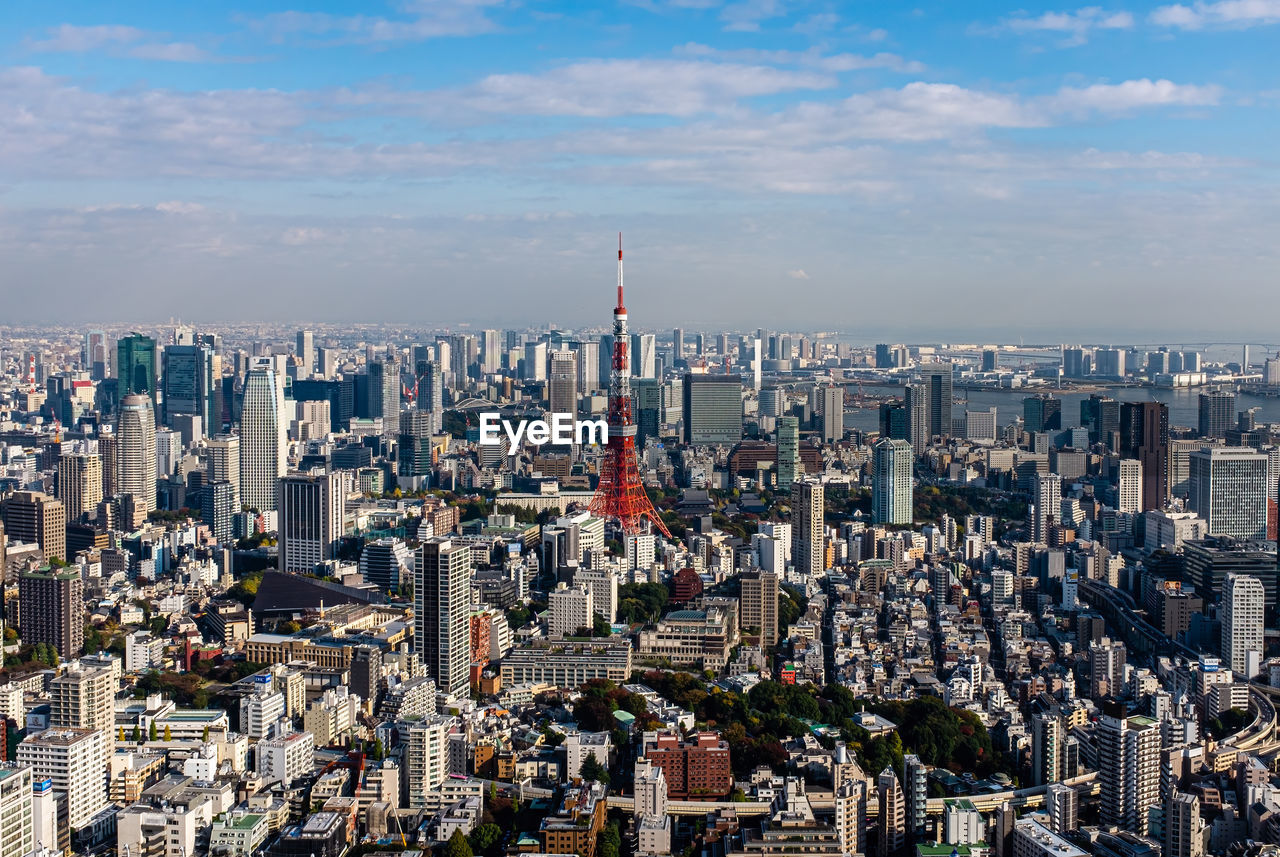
(136, 366)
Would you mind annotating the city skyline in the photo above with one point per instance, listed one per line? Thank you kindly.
(789, 161)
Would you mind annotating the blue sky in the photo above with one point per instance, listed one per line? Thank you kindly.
(951, 169)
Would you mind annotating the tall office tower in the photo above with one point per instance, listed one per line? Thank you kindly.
(1109, 362)
(96, 357)
(757, 363)
(188, 383)
(36, 518)
(1229, 490)
(535, 361)
(563, 383)
(263, 458)
(1128, 766)
(1046, 505)
(712, 409)
(413, 448)
(109, 452)
(1074, 362)
(772, 402)
(219, 504)
(63, 756)
(490, 352)
(893, 813)
(431, 394)
(222, 462)
(1063, 805)
(1129, 486)
(700, 344)
(936, 378)
(915, 794)
(1101, 416)
(136, 470)
(788, 452)
(1107, 659)
(426, 757)
(832, 414)
(136, 366)
(310, 507)
(1241, 611)
(644, 355)
(619, 493)
(647, 397)
(916, 401)
(587, 352)
(1144, 435)
(442, 598)
(758, 604)
(990, 360)
(384, 395)
(306, 351)
(51, 610)
(1217, 413)
(326, 362)
(1183, 836)
(1046, 749)
(677, 346)
(464, 353)
(1041, 413)
(387, 564)
(891, 482)
(807, 503)
(80, 484)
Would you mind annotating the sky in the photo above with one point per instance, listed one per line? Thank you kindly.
(961, 170)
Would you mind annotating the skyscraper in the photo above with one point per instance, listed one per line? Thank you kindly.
(79, 483)
(1128, 766)
(1041, 413)
(1046, 505)
(677, 346)
(712, 409)
(1217, 413)
(97, 356)
(588, 355)
(190, 386)
(1144, 436)
(37, 518)
(1229, 490)
(136, 470)
(807, 503)
(306, 351)
(563, 383)
(644, 355)
(442, 598)
(222, 462)
(1046, 749)
(490, 352)
(758, 603)
(1241, 611)
(788, 452)
(891, 482)
(310, 507)
(936, 378)
(832, 414)
(384, 395)
(1129, 486)
(136, 366)
(916, 401)
(262, 440)
(893, 813)
(1101, 416)
(1183, 836)
(51, 609)
(413, 448)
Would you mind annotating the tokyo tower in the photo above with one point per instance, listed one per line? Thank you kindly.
(620, 494)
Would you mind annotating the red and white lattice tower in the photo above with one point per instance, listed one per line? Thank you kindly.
(620, 494)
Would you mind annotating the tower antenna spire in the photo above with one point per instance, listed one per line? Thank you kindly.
(621, 305)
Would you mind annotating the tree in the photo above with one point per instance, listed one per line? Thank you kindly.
(137, 734)
(600, 626)
(485, 839)
(458, 846)
(151, 731)
(593, 771)
(377, 752)
(121, 736)
(609, 840)
(204, 736)
(168, 734)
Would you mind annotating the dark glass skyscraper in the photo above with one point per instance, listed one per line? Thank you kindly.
(189, 385)
(1144, 435)
(136, 365)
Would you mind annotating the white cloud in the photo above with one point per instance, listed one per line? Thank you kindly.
(746, 16)
(1076, 25)
(1223, 13)
(1134, 94)
(798, 274)
(602, 88)
(121, 41)
(812, 58)
(424, 19)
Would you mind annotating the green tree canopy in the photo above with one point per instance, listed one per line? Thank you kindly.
(458, 846)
